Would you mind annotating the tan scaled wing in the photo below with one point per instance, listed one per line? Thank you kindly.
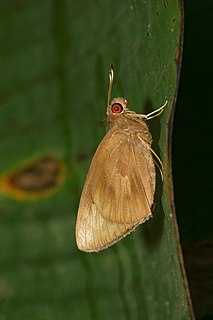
(118, 192)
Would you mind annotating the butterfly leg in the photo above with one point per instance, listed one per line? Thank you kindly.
(156, 113)
(158, 163)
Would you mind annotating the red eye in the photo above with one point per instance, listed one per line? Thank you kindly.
(117, 108)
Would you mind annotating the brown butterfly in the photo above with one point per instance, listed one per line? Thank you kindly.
(119, 190)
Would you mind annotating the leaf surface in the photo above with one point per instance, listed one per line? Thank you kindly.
(55, 57)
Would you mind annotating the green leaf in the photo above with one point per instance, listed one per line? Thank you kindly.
(55, 58)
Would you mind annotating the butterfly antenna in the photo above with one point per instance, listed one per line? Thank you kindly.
(111, 76)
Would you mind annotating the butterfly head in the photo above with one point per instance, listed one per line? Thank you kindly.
(117, 106)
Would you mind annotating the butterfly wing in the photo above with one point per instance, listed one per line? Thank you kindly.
(123, 177)
(94, 232)
(118, 192)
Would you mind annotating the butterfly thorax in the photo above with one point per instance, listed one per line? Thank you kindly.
(129, 123)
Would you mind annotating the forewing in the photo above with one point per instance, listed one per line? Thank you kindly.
(123, 178)
(120, 187)
(93, 231)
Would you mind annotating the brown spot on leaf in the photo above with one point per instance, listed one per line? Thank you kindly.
(34, 180)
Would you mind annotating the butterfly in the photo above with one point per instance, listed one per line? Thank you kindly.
(119, 190)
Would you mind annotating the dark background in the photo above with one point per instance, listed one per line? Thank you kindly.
(192, 153)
